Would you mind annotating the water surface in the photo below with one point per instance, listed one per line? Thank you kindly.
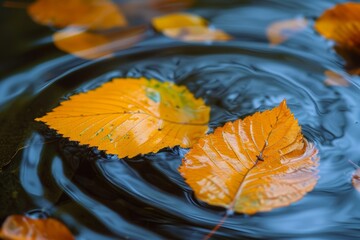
(102, 197)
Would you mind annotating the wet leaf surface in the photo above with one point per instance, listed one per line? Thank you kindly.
(128, 117)
(18, 227)
(251, 165)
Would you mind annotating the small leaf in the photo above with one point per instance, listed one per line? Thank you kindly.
(177, 20)
(356, 179)
(90, 45)
(279, 32)
(128, 117)
(18, 227)
(188, 27)
(197, 34)
(89, 14)
(335, 79)
(252, 165)
(340, 23)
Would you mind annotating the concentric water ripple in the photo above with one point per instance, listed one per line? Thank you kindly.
(102, 197)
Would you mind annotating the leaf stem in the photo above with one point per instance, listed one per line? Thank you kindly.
(220, 223)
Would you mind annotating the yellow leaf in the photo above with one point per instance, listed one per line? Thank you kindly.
(340, 23)
(281, 31)
(18, 227)
(129, 116)
(197, 34)
(335, 79)
(89, 45)
(177, 20)
(89, 14)
(252, 165)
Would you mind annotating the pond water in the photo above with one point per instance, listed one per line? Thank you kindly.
(102, 197)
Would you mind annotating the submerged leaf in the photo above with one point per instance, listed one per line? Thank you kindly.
(340, 23)
(128, 117)
(251, 165)
(281, 31)
(177, 20)
(89, 14)
(335, 79)
(89, 45)
(18, 227)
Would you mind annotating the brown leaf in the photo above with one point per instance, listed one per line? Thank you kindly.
(18, 227)
(89, 14)
(130, 116)
(335, 79)
(251, 165)
(356, 179)
(280, 31)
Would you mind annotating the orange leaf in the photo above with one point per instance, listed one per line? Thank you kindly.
(89, 45)
(251, 165)
(18, 227)
(348, 35)
(130, 116)
(177, 20)
(90, 14)
(340, 23)
(335, 79)
(281, 31)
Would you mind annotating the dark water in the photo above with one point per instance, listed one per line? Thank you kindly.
(103, 197)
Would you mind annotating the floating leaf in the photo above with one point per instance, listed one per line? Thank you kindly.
(348, 35)
(188, 27)
(281, 31)
(177, 20)
(356, 179)
(251, 165)
(90, 45)
(128, 117)
(335, 79)
(18, 227)
(197, 34)
(89, 14)
(340, 23)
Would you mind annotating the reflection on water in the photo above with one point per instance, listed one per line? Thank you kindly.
(103, 197)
